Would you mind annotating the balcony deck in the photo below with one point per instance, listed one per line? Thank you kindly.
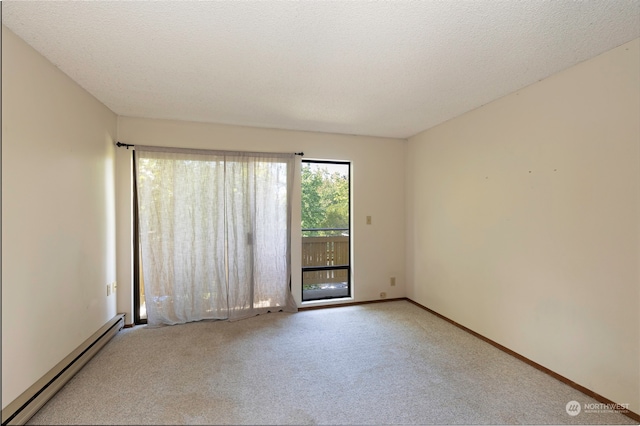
(325, 252)
(325, 291)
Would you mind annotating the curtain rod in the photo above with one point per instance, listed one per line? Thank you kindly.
(127, 145)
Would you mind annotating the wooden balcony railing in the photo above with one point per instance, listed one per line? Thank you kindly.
(323, 252)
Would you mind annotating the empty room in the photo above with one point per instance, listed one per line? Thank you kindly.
(321, 212)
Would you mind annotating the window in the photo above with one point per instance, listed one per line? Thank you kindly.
(326, 236)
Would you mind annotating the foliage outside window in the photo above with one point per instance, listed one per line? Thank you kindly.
(325, 199)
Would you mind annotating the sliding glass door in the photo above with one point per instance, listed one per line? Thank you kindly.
(214, 232)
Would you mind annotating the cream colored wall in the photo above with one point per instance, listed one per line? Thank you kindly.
(377, 190)
(58, 217)
(523, 222)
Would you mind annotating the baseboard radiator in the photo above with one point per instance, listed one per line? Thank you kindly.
(19, 411)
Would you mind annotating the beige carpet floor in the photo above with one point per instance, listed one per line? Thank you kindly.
(385, 363)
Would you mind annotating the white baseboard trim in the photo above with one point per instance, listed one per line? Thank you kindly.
(20, 410)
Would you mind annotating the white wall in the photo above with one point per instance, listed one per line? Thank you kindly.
(523, 222)
(58, 217)
(377, 191)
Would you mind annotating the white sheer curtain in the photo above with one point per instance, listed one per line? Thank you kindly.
(214, 233)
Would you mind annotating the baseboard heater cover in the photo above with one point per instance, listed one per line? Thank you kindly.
(19, 411)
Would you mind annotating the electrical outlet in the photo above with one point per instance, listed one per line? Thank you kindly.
(393, 281)
(383, 295)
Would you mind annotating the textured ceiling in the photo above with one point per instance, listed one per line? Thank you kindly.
(368, 68)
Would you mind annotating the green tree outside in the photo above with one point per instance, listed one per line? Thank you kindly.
(325, 199)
